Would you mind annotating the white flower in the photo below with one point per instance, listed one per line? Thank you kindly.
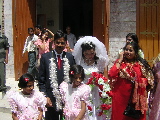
(106, 87)
(88, 42)
(101, 81)
(66, 68)
(90, 96)
(87, 72)
(104, 95)
(53, 79)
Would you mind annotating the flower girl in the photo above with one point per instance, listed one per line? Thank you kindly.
(27, 104)
(75, 95)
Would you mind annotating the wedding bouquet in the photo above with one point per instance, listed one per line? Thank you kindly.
(105, 92)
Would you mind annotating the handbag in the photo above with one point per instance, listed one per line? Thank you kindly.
(130, 110)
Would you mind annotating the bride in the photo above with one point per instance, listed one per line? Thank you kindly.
(91, 54)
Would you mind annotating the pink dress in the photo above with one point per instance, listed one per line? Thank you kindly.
(39, 42)
(72, 98)
(26, 106)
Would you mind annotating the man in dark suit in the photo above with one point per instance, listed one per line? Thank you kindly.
(54, 68)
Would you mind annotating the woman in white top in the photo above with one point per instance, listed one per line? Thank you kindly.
(132, 37)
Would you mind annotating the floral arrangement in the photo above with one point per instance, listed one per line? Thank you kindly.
(53, 79)
(105, 92)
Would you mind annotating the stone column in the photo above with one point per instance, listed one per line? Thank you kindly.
(1, 16)
(8, 30)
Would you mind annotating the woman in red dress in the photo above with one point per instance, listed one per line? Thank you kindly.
(129, 68)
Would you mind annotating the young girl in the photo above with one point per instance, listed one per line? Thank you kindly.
(75, 95)
(27, 104)
(44, 42)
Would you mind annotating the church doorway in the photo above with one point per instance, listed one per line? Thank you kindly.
(78, 14)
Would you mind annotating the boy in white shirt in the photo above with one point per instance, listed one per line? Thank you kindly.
(32, 51)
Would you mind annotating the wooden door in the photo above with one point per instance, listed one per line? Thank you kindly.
(148, 27)
(24, 12)
(101, 16)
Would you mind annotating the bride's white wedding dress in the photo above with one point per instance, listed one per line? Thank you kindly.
(97, 66)
(88, 69)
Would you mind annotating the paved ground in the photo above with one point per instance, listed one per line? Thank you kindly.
(5, 109)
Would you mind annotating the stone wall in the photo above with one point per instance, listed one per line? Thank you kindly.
(122, 22)
(8, 30)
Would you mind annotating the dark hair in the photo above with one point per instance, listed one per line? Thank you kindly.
(30, 29)
(60, 34)
(134, 45)
(68, 27)
(88, 46)
(24, 79)
(138, 58)
(39, 27)
(76, 69)
(43, 32)
(133, 36)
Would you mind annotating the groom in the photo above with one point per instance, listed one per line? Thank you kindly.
(54, 69)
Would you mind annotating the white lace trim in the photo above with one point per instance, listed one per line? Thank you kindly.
(53, 80)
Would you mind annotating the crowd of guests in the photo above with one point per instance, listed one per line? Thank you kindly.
(38, 43)
(63, 73)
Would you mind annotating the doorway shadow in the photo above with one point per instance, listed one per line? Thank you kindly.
(78, 14)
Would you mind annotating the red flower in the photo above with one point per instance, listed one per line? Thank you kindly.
(105, 79)
(72, 73)
(26, 79)
(90, 81)
(100, 94)
(110, 93)
(89, 108)
(101, 75)
(105, 107)
(96, 82)
(100, 87)
(100, 113)
(94, 74)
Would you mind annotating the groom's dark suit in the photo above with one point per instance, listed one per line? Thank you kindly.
(44, 81)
